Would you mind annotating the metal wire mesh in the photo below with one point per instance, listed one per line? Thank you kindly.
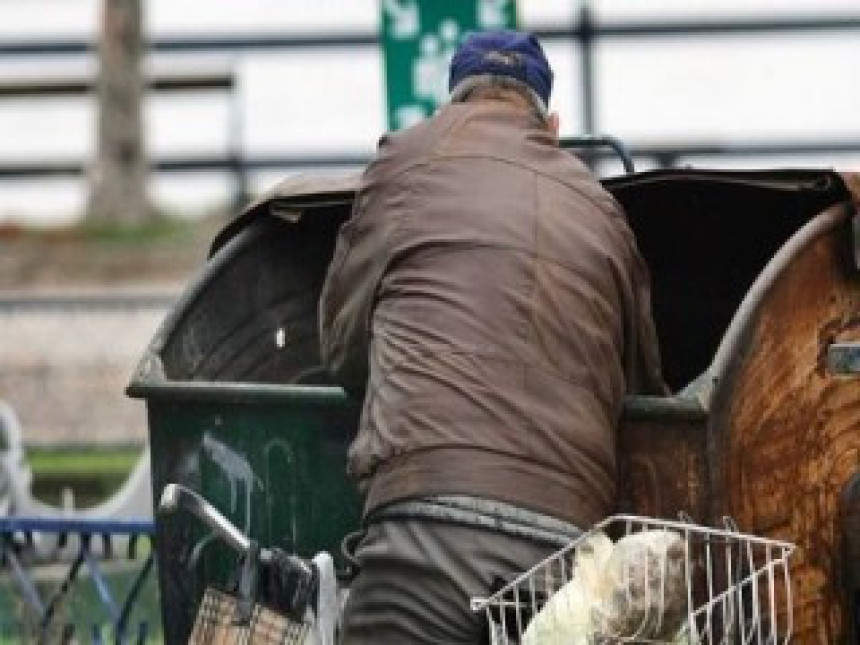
(721, 586)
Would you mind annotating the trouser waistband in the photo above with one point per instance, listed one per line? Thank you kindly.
(481, 513)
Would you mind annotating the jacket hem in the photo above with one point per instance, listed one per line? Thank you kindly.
(490, 475)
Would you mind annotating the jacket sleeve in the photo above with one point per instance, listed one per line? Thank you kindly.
(346, 301)
(360, 258)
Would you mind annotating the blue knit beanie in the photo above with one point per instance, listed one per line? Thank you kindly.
(504, 53)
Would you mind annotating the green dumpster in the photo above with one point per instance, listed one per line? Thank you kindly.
(237, 404)
(241, 412)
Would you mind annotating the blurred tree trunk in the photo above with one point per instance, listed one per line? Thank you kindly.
(118, 180)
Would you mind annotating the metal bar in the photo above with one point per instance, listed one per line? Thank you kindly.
(589, 142)
(231, 43)
(771, 592)
(709, 583)
(16, 170)
(586, 33)
(635, 407)
(789, 601)
(53, 47)
(102, 587)
(226, 43)
(175, 497)
(85, 527)
(133, 593)
(747, 149)
(263, 162)
(236, 152)
(183, 82)
(22, 87)
(693, 149)
(711, 532)
(713, 27)
(676, 408)
(298, 395)
(142, 633)
(61, 592)
(28, 589)
(228, 162)
(688, 570)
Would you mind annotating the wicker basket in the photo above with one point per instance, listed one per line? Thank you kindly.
(214, 624)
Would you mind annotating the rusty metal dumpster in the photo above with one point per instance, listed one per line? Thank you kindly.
(239, 409)
(755, 282)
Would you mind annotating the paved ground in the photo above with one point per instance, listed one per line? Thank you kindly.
(65, 371)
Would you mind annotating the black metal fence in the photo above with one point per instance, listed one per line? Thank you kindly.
(68, 581)
(584, 35)
(65, 361)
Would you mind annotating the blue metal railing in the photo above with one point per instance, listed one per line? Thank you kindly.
(77, 547)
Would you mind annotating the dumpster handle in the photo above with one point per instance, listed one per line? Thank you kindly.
(598, 141)
(175, 497)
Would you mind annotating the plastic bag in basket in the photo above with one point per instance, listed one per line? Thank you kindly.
(644, 594)
(566, 618)
(633, 588)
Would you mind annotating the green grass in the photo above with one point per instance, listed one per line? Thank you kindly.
(92, 461)
(158, 229)
(161, 230)
(92, 474)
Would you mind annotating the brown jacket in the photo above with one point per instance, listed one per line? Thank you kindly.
(490, 293)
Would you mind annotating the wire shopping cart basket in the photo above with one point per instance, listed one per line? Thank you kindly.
(644, 580)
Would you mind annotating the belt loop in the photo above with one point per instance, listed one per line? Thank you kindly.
(348, 546)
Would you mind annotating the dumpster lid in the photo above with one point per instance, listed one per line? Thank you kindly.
(795, 189)
(290, 198)
(792, 189)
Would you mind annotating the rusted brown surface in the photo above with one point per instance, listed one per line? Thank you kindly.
(663, 468)
(787, 432)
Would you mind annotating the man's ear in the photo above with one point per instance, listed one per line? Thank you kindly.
(553, 123)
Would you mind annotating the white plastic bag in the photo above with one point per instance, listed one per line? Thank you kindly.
(644, 590)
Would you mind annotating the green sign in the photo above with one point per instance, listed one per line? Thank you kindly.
(418, 39)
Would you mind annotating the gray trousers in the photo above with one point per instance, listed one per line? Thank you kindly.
(417, 577)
